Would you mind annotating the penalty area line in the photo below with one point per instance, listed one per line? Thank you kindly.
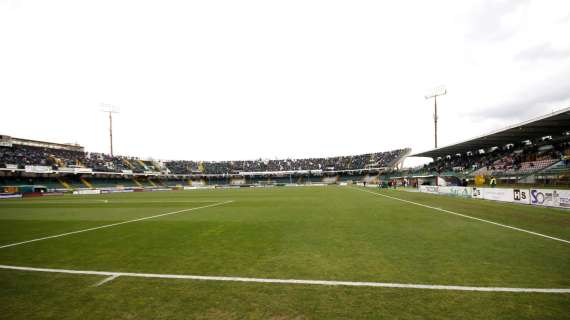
(114, 224)
(113, 275)
(466, 216)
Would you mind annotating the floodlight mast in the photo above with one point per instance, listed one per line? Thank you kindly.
(110, 109)
(436, 92)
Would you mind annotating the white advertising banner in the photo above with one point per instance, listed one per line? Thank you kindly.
(199, 187)
(38, 169)
(550, 198)
(498, 194)
(450, 191)
(430, 189)
(456, 191)
(564, 198)
(10, 195)
(539, 197)
(82, 192)
(75, 170)
(501, 194)
(521, 196)
(477, 193)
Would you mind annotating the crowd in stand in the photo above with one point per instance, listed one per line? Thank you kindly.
(522, 158)
(27, 155)
(342, 163)
(22, 156)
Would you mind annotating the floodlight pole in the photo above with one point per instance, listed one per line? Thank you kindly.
(110, 110)
(440, 91)
(434, 122)
(111, 132)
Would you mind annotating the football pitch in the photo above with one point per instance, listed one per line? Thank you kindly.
(282, 253)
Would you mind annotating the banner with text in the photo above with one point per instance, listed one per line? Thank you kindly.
(550, 198)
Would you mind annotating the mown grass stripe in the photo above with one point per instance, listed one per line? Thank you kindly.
(113, 224)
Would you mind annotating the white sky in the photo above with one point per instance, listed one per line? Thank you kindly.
(223, 80)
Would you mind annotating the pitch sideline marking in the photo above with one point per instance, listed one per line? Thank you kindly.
(466, 216)
(114, 224)
(113, 275)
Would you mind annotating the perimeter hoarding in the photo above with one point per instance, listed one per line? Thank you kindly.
(456, 191)
(521, 196)
(505, 195)
(496, 194)
(430, 189)
(450, 191)
(502, 194)
(550, 198)
(539, 197)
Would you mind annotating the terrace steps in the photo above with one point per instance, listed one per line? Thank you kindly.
(65, 184)
(142, 164)
(129, 164)
(86, 183)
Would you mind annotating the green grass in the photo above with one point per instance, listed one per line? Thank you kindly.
(317, 233)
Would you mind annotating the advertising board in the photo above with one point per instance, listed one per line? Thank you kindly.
(550, 198)
(84, 192)
(498, 194)
(538, 197)
(430, 189)
(38, 169)
(10, 195)
(477, 193)
(456, 191)
(521, 196)
(116, 190)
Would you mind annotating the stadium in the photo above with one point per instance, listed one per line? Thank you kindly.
(286, 235)
(282, 160)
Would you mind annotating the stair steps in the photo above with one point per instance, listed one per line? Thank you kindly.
(65, 184)
(86, 183)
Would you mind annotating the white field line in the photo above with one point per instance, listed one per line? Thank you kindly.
(108, 279)
(110, 275)
(114, 224)
(466, 216)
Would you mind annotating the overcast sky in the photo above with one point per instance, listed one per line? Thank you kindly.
(223, 80)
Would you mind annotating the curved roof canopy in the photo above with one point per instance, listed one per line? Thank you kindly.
(556, 123)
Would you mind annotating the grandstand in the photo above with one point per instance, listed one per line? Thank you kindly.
(527, 152)
(61, 166)
(534, 150)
